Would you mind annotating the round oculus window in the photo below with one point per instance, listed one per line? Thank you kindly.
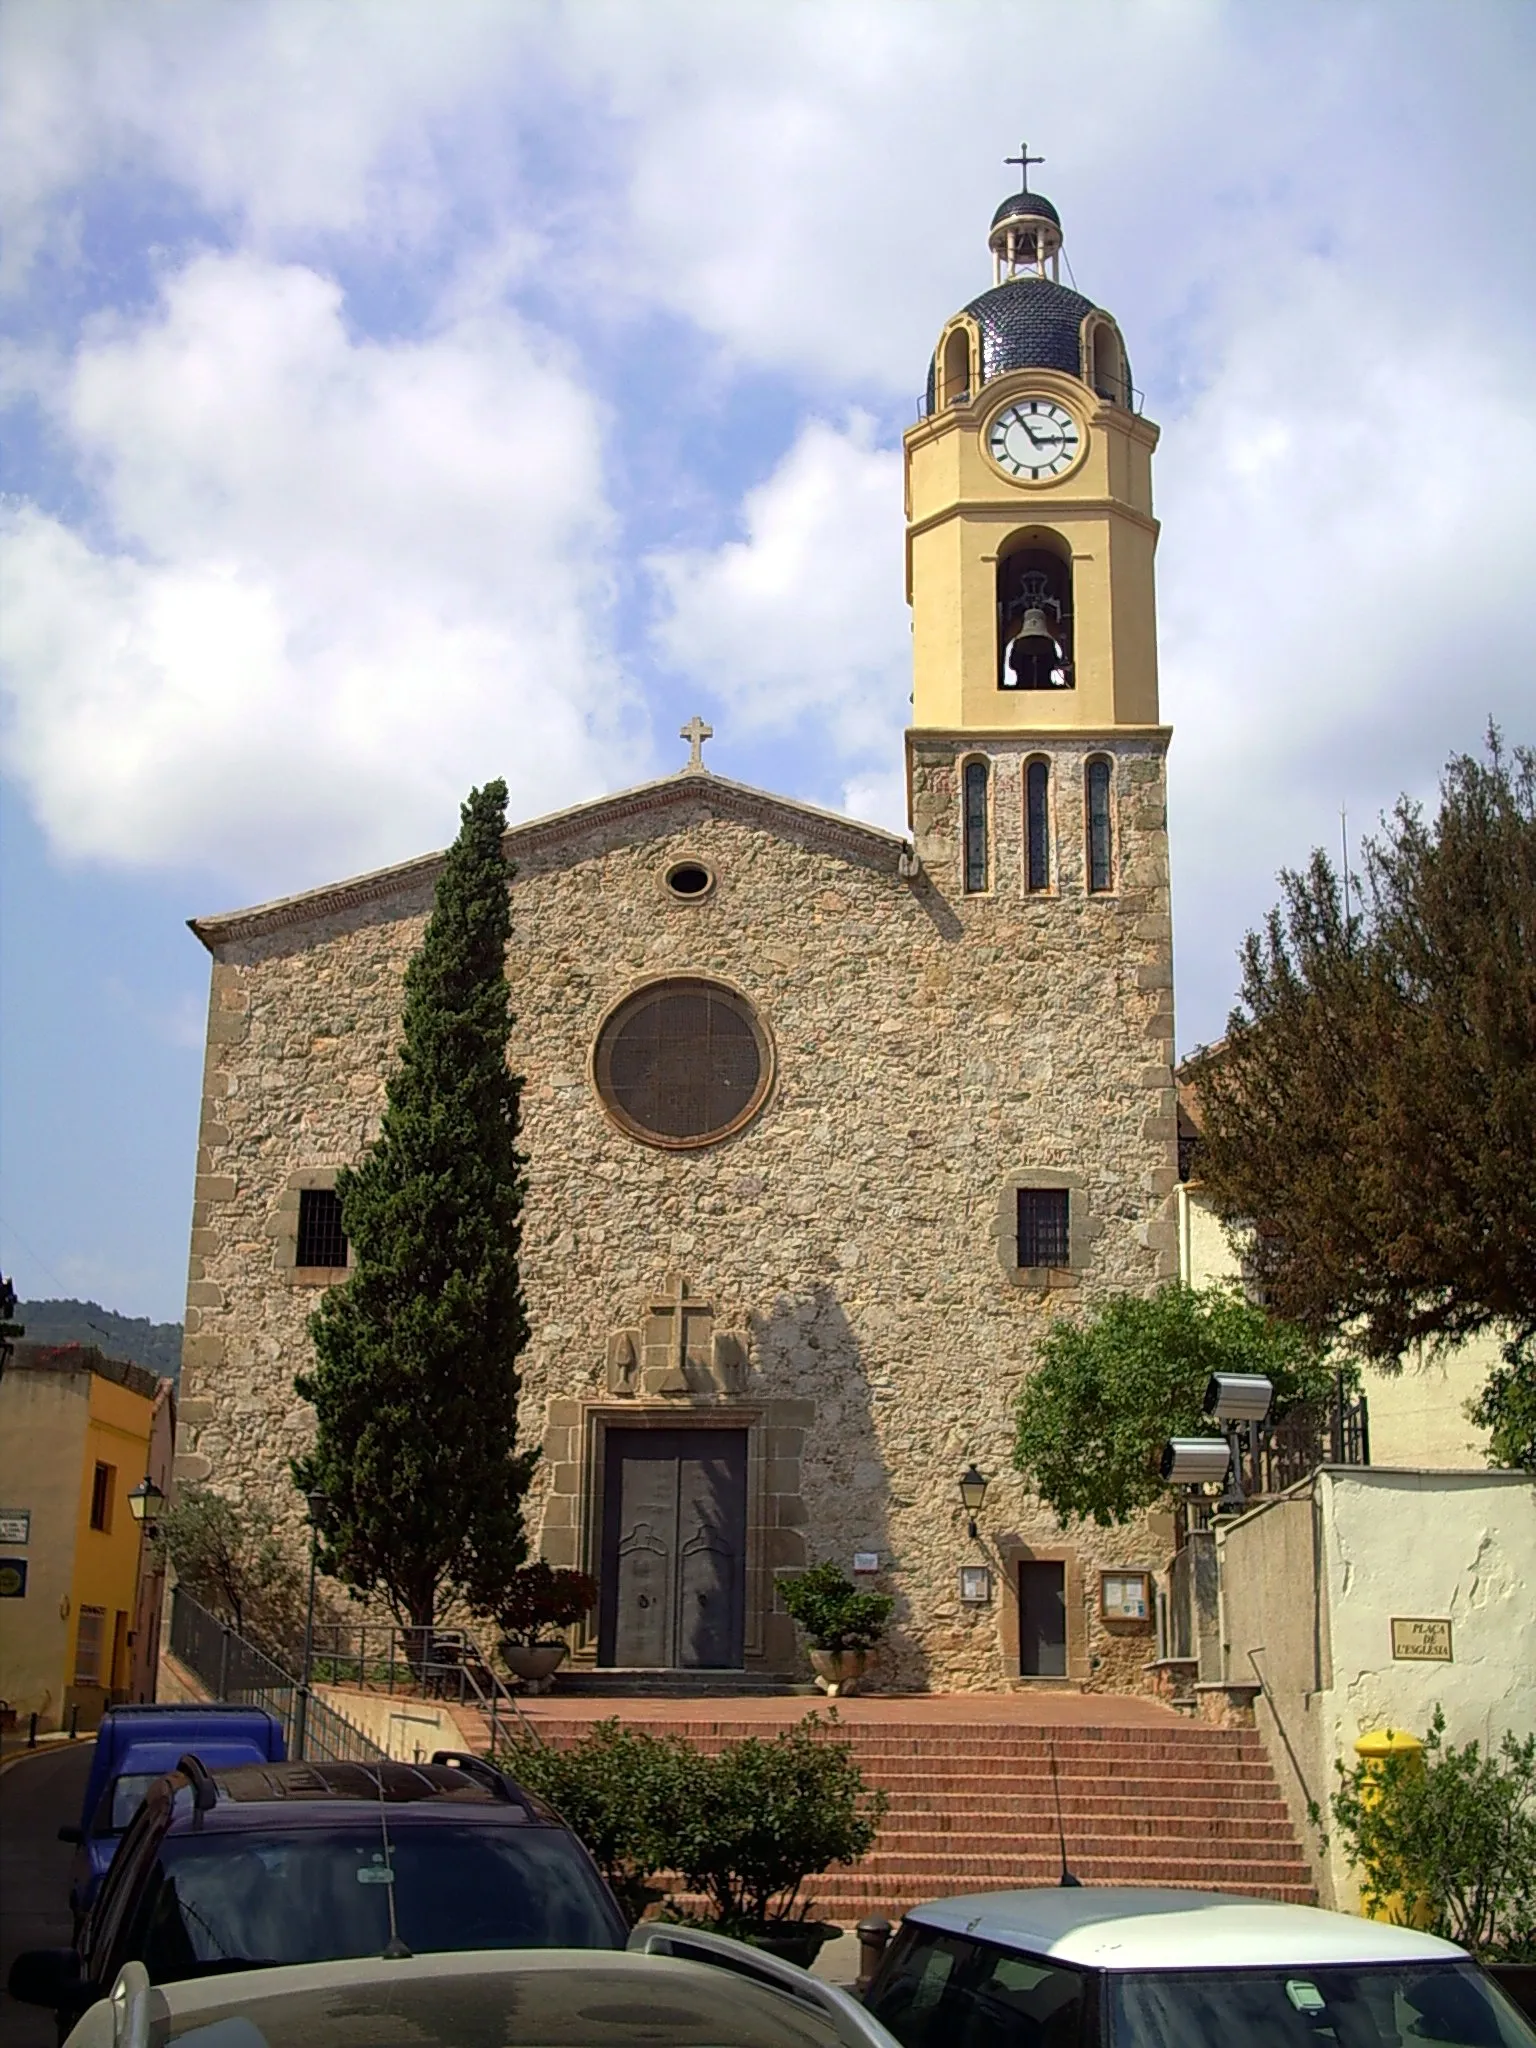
(689, 879)
(682, 1063)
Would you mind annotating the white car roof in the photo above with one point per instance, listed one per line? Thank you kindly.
(1141, 1927)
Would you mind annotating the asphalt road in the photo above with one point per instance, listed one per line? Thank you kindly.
(37, 1794)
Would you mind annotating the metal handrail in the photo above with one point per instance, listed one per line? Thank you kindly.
(436, 1663)
(236, 1670)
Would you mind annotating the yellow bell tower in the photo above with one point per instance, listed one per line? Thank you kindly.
(1030, 534)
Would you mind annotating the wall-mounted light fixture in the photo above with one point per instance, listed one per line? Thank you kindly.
(973, 1491)
(145, 1503)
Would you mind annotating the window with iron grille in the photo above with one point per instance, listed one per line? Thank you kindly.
(101, 1496)
(322, 1241)
(682, 1063)
(1100, 831)
(1044, 1237)
(975, 827)
(90, 1640)
(1037, 821)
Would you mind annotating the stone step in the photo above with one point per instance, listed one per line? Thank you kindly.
(1018, 1806)
(616, 1683)
(1093, 1832)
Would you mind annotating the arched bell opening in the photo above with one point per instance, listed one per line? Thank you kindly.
(955, 368)
(1106, 368)
(1034, 614)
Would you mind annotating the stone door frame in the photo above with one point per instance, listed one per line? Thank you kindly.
(775, 1432)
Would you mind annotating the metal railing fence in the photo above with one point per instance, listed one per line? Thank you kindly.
(234, 1669)
(422, 1663)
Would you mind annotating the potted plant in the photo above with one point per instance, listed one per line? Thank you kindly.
(842, 1625)
(539, 1599)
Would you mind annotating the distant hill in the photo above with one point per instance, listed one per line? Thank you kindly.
(136, 1338)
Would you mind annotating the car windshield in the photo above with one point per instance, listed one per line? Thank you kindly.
(1392, 2006)
(221, 1902)
(644, 2001)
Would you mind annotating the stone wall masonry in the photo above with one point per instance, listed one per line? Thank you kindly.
(928, 1046)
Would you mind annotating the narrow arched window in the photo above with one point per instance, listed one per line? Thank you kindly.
(975, 827)
(1108, 365)
(1037, 824)
(1100, 829)
(957, 367)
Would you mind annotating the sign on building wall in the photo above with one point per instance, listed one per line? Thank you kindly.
(15, 1525)
(13, 1578)
(1421, 1642)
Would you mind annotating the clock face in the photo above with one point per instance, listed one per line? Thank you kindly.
(1034, 438)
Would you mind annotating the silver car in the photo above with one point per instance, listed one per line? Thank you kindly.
(673, 1988)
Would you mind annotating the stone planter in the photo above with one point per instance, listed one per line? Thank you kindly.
(534, 1663)
(794, 1941)
(839, 1672)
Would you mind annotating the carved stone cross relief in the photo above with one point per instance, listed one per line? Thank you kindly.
(675, 1353)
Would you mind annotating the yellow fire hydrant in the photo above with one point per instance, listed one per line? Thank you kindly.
(1373, 1749)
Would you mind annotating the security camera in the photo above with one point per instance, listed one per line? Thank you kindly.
(1195, 1461)
(1238, 1396)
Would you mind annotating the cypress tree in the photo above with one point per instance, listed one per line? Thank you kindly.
(415, 1378)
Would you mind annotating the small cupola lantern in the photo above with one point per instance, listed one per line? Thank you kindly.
(1026, 230)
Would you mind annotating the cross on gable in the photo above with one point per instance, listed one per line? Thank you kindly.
(696, 732)
(1023, 160)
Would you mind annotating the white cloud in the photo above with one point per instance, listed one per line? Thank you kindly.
(801, 625)
(1347, 528)
(338, 582)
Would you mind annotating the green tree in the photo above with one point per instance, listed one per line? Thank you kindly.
(1449, 1839)
(415, 1377)
(1370, 1121)
(1108, 1393)
(229, 1556)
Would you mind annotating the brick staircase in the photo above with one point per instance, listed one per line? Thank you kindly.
(972, 1808)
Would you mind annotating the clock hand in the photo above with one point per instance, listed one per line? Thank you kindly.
(1034, 438)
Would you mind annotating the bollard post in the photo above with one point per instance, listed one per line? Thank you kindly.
(1373, 1749)
(74, 1720)
(874, 1934)
(32, 1731)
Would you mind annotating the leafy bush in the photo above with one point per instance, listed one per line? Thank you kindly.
(539, 1598)
(618, 1789)
(1108, 1393)
(1450, 1838)
(229, 1556)
(832, 1611)
(762, 1816)
(745, 1827)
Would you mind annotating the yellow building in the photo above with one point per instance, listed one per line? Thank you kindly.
(76, 1436)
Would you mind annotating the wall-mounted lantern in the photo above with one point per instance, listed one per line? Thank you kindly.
(145, 1503)
(973, 1491)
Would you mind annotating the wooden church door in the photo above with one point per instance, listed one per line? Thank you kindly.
(673, 1573)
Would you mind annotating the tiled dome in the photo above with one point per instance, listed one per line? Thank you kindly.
(1025, 206)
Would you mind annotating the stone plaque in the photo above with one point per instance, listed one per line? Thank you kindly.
(1421, 1642)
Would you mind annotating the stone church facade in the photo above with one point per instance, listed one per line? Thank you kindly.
(824, 1124)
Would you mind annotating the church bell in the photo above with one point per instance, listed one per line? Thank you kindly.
(1034, 655)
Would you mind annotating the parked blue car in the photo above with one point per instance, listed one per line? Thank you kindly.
(136, 1745)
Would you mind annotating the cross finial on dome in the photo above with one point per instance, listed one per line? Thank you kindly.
(1023, 160)
(696, 732)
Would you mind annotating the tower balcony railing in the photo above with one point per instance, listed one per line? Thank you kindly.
(1133, 402)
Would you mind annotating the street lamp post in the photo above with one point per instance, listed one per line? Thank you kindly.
(317, 1503)
(144, 1504)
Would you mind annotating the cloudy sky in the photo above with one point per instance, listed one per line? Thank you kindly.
(403, 392)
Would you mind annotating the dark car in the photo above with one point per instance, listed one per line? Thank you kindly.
(265, 1864)
(136, 1745)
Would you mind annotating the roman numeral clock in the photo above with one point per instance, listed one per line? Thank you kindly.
(1034, 437)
